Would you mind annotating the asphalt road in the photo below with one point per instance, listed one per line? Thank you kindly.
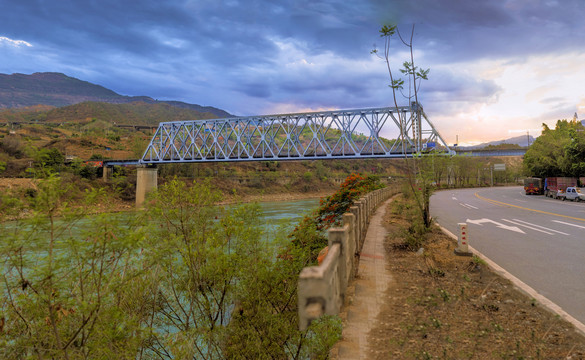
(539, 240)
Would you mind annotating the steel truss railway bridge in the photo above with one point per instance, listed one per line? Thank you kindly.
(339, 134)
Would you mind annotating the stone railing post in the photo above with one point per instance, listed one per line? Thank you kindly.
(345, 261)
(318, 289)
(356, 226)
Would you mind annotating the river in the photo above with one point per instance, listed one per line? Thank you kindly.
(275, 214)
(278, 212)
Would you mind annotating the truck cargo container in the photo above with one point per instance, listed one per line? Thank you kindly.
(553, 186)
(533, 186)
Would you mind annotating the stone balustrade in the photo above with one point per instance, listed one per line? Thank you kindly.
(322, 288)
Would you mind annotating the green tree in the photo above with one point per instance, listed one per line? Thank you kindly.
(414, 75)
(222, 291)
(575, 152)
(65, 292)
(49, 157)
(48, 161)
(87, 171)
(556, 152)
(196, 265)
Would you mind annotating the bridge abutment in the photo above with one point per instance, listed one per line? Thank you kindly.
(146, 181)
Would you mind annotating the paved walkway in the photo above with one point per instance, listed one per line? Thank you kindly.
(365, 294)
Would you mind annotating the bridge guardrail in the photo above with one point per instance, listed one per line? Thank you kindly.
(322, 289)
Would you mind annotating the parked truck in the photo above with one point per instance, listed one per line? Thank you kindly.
(533, 186)
(555, 187)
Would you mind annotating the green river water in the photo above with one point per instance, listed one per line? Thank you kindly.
(275, 214)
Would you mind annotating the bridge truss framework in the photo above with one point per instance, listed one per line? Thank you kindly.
(340, 134)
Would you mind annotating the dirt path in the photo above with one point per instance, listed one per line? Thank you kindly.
(366, 293)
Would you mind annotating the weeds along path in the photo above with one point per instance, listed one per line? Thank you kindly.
(366, 293)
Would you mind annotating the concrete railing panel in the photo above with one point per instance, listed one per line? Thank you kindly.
(322, 288)
(319, 288)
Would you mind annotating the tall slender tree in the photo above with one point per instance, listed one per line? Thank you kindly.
(418, 178)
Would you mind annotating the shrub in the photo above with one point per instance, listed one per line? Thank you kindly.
(12, 146)
(309, 233)
(333, 207)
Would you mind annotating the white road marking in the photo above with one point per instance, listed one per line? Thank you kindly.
(534, 227)
(542, 227)
(454, 198)
(468, 206)
(501, 226)
(566, 223)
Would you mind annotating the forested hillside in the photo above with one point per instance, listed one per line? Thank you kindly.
(135, 113)
(57, 90)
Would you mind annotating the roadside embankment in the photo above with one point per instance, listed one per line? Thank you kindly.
(440, 305)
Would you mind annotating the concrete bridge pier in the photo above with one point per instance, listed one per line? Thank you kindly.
(107, 172)
(146, 181)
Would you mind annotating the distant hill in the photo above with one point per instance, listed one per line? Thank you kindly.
(134, 113)
(521, 140)
(57, 90)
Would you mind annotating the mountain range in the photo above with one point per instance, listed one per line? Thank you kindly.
(58, 90)
(522, 140)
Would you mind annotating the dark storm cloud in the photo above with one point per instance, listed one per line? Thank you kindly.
(467, 30)
(248, 56)
(91, 25)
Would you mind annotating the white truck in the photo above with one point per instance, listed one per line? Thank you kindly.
(573, 193)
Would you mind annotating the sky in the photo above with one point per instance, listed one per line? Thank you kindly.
(498, 68)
